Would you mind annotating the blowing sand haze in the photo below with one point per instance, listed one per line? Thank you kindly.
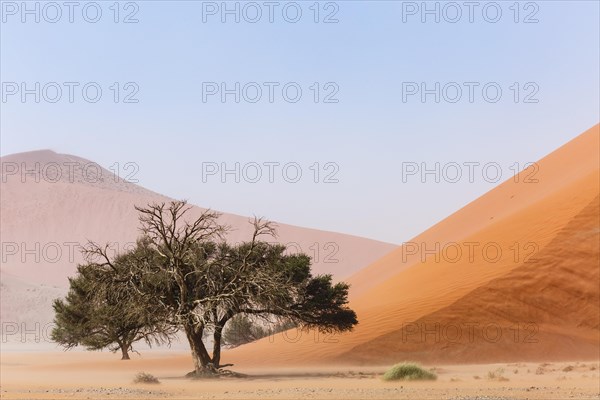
(324, 200)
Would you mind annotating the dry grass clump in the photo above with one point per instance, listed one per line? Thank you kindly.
(497, 375)
(143, 377)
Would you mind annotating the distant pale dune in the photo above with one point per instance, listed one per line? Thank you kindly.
(48, 211)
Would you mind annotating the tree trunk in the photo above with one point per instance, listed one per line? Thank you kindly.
(202, 361)
(216, 358)
(124, 352)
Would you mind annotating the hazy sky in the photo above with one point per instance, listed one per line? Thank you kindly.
(359, 122)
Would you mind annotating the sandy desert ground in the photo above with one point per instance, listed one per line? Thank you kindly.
(78, 375)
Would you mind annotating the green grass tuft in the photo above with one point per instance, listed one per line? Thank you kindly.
(408, 372)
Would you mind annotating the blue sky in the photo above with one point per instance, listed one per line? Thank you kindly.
(366, 61)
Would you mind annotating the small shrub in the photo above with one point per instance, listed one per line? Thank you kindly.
(497, 375)
(408, 372)
(540, 371)
(143, 377)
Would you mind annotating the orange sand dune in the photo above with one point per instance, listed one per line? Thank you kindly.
(546, 309)
(537, 299)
